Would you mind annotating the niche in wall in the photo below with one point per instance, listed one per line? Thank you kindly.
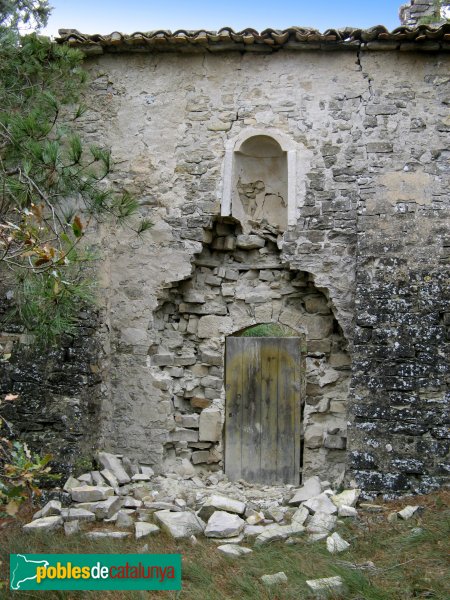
(259, 180)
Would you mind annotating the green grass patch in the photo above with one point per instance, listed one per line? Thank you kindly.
(268, 330)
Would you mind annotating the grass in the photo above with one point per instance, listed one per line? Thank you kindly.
(268, 330)
(407, 565)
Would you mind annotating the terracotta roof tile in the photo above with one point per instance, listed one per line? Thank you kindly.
(300, 38)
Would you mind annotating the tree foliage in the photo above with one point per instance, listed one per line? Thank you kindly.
(52, 185)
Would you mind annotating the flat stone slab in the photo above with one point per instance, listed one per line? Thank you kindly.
(110, 478)
(91, 493)
(321, 523)
(103, 509)
(309, 489)
(234, 550)
(98, 535)
(180, 524)
(114, 464)
(275, 579)
(161, 506)
(52, 508)
(130, 502)
(322, 504)
(145, 529)
(217, 502)
(253, 530)
(222, 524)
(77, 514)
(232, 540)
(326, 587)
(44, 524)
(71, 483)
(300, 516)
(141, 477)
(275, 532)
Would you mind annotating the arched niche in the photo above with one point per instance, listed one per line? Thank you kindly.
(259, 179)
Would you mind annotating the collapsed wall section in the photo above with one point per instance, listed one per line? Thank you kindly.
(240, 281)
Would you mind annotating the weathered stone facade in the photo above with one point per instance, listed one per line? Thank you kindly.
(357, 263)
(417, 12)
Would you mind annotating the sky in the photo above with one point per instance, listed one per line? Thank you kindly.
(106, 16)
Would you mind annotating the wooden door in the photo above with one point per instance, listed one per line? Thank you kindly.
(262, 418)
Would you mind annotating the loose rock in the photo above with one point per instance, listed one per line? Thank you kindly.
(326, 587)
(44, 525)
(224, 525)
(180, 524)
(309, 489)
(274, 579)
(336, 544)
(234, 550)
(145, 529)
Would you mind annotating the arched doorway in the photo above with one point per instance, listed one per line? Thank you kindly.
(263, 383)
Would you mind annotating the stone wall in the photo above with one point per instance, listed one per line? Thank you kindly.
(366, 246)
(56, 410)
(416, 12)
(399, 436)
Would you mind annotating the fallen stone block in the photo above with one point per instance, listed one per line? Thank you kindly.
(71, 483)
(336, 544)
(86, 478)
(347, 498)
(322, 504)
(275, 532)
(275, 579)
(321, 523)
(44, 525)
(326, 587)
(408, 512)
(145, 529)
(113, 464)
(77, 514)
(116, 535)
(224, 525)
(130, 502)
(251, 531)
(234, 550)
(224, 503)
(309, 489)
(180, 524)
(50, 509)
(103, 509)
(300, 516)
(91, 493)
(110, 478)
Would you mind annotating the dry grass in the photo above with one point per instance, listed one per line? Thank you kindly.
(407, 565)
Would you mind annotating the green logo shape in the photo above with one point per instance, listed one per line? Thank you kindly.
(95, 571)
